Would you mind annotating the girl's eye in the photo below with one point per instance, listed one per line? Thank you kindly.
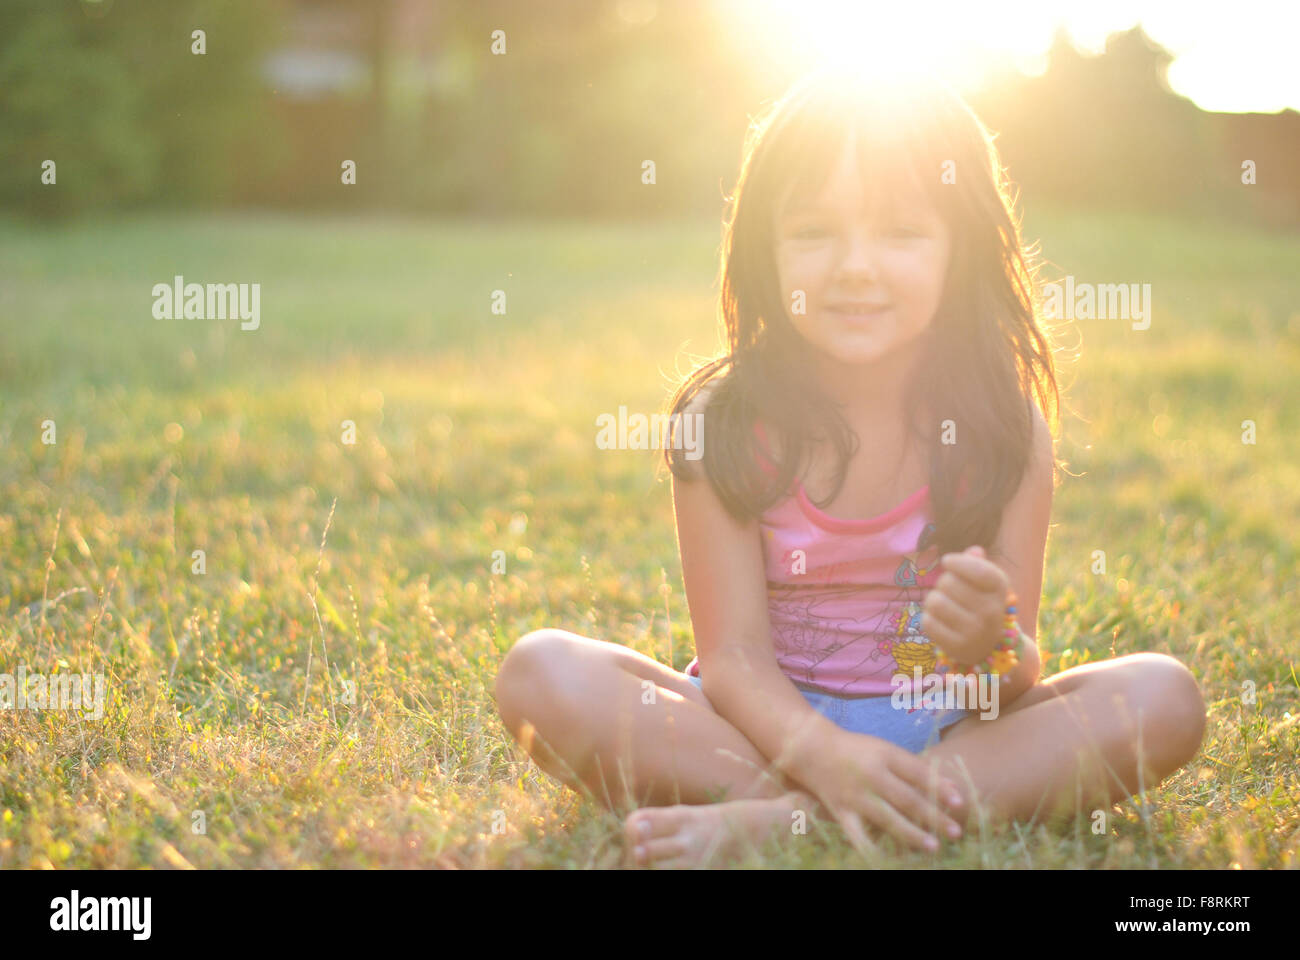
(898, 232)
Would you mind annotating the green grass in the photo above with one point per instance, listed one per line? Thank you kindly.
(475, 434)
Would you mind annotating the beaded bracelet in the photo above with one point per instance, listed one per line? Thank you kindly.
(1003, 658)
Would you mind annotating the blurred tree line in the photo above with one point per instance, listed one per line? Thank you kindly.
(112, 94)
(1108, 132)
(559, 125)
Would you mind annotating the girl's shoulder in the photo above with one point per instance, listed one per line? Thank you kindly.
(766, 438)
(695, 407)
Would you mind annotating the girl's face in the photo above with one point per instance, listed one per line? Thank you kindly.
(872, 280)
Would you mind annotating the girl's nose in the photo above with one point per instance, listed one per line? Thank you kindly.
(858, 255)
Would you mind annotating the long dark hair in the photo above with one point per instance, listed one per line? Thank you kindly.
(986, 359)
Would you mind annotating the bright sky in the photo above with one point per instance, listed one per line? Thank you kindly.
(1229, 57)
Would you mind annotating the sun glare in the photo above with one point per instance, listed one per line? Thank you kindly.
(1221, 63)
(895, 43)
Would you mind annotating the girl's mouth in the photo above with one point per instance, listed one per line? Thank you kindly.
(859, 312)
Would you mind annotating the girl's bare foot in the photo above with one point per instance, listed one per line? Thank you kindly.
(709, 834)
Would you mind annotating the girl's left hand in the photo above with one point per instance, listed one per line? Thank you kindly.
(964, 612)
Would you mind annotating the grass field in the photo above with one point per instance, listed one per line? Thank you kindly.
(474, 434)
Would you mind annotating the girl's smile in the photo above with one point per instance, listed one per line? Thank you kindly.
(859, 313)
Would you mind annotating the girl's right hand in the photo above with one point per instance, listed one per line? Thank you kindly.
(859, 777)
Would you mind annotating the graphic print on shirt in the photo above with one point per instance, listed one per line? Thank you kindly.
(912, 648)
(810, 619)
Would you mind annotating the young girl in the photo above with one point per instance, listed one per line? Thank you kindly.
(871, 507)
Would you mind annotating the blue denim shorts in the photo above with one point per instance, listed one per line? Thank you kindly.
(877, 717)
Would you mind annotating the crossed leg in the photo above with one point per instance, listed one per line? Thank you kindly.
(640, 739)
(623, 728)
(1079, 740)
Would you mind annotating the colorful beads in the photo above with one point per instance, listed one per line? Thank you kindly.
(1003, 658)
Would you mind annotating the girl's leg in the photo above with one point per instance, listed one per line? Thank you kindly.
(1079, 740)
(584, 711)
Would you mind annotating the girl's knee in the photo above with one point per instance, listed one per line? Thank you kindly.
(1169, 695)
(530, 666)
(535, 649)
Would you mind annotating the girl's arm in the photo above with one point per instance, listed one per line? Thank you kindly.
(1025, 673)
(1020, 550)
(726, 592)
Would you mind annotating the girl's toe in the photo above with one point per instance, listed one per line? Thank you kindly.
(665, 848)
(650, 822)
(637, 822)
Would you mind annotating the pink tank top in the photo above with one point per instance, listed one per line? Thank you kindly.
(844, 596)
